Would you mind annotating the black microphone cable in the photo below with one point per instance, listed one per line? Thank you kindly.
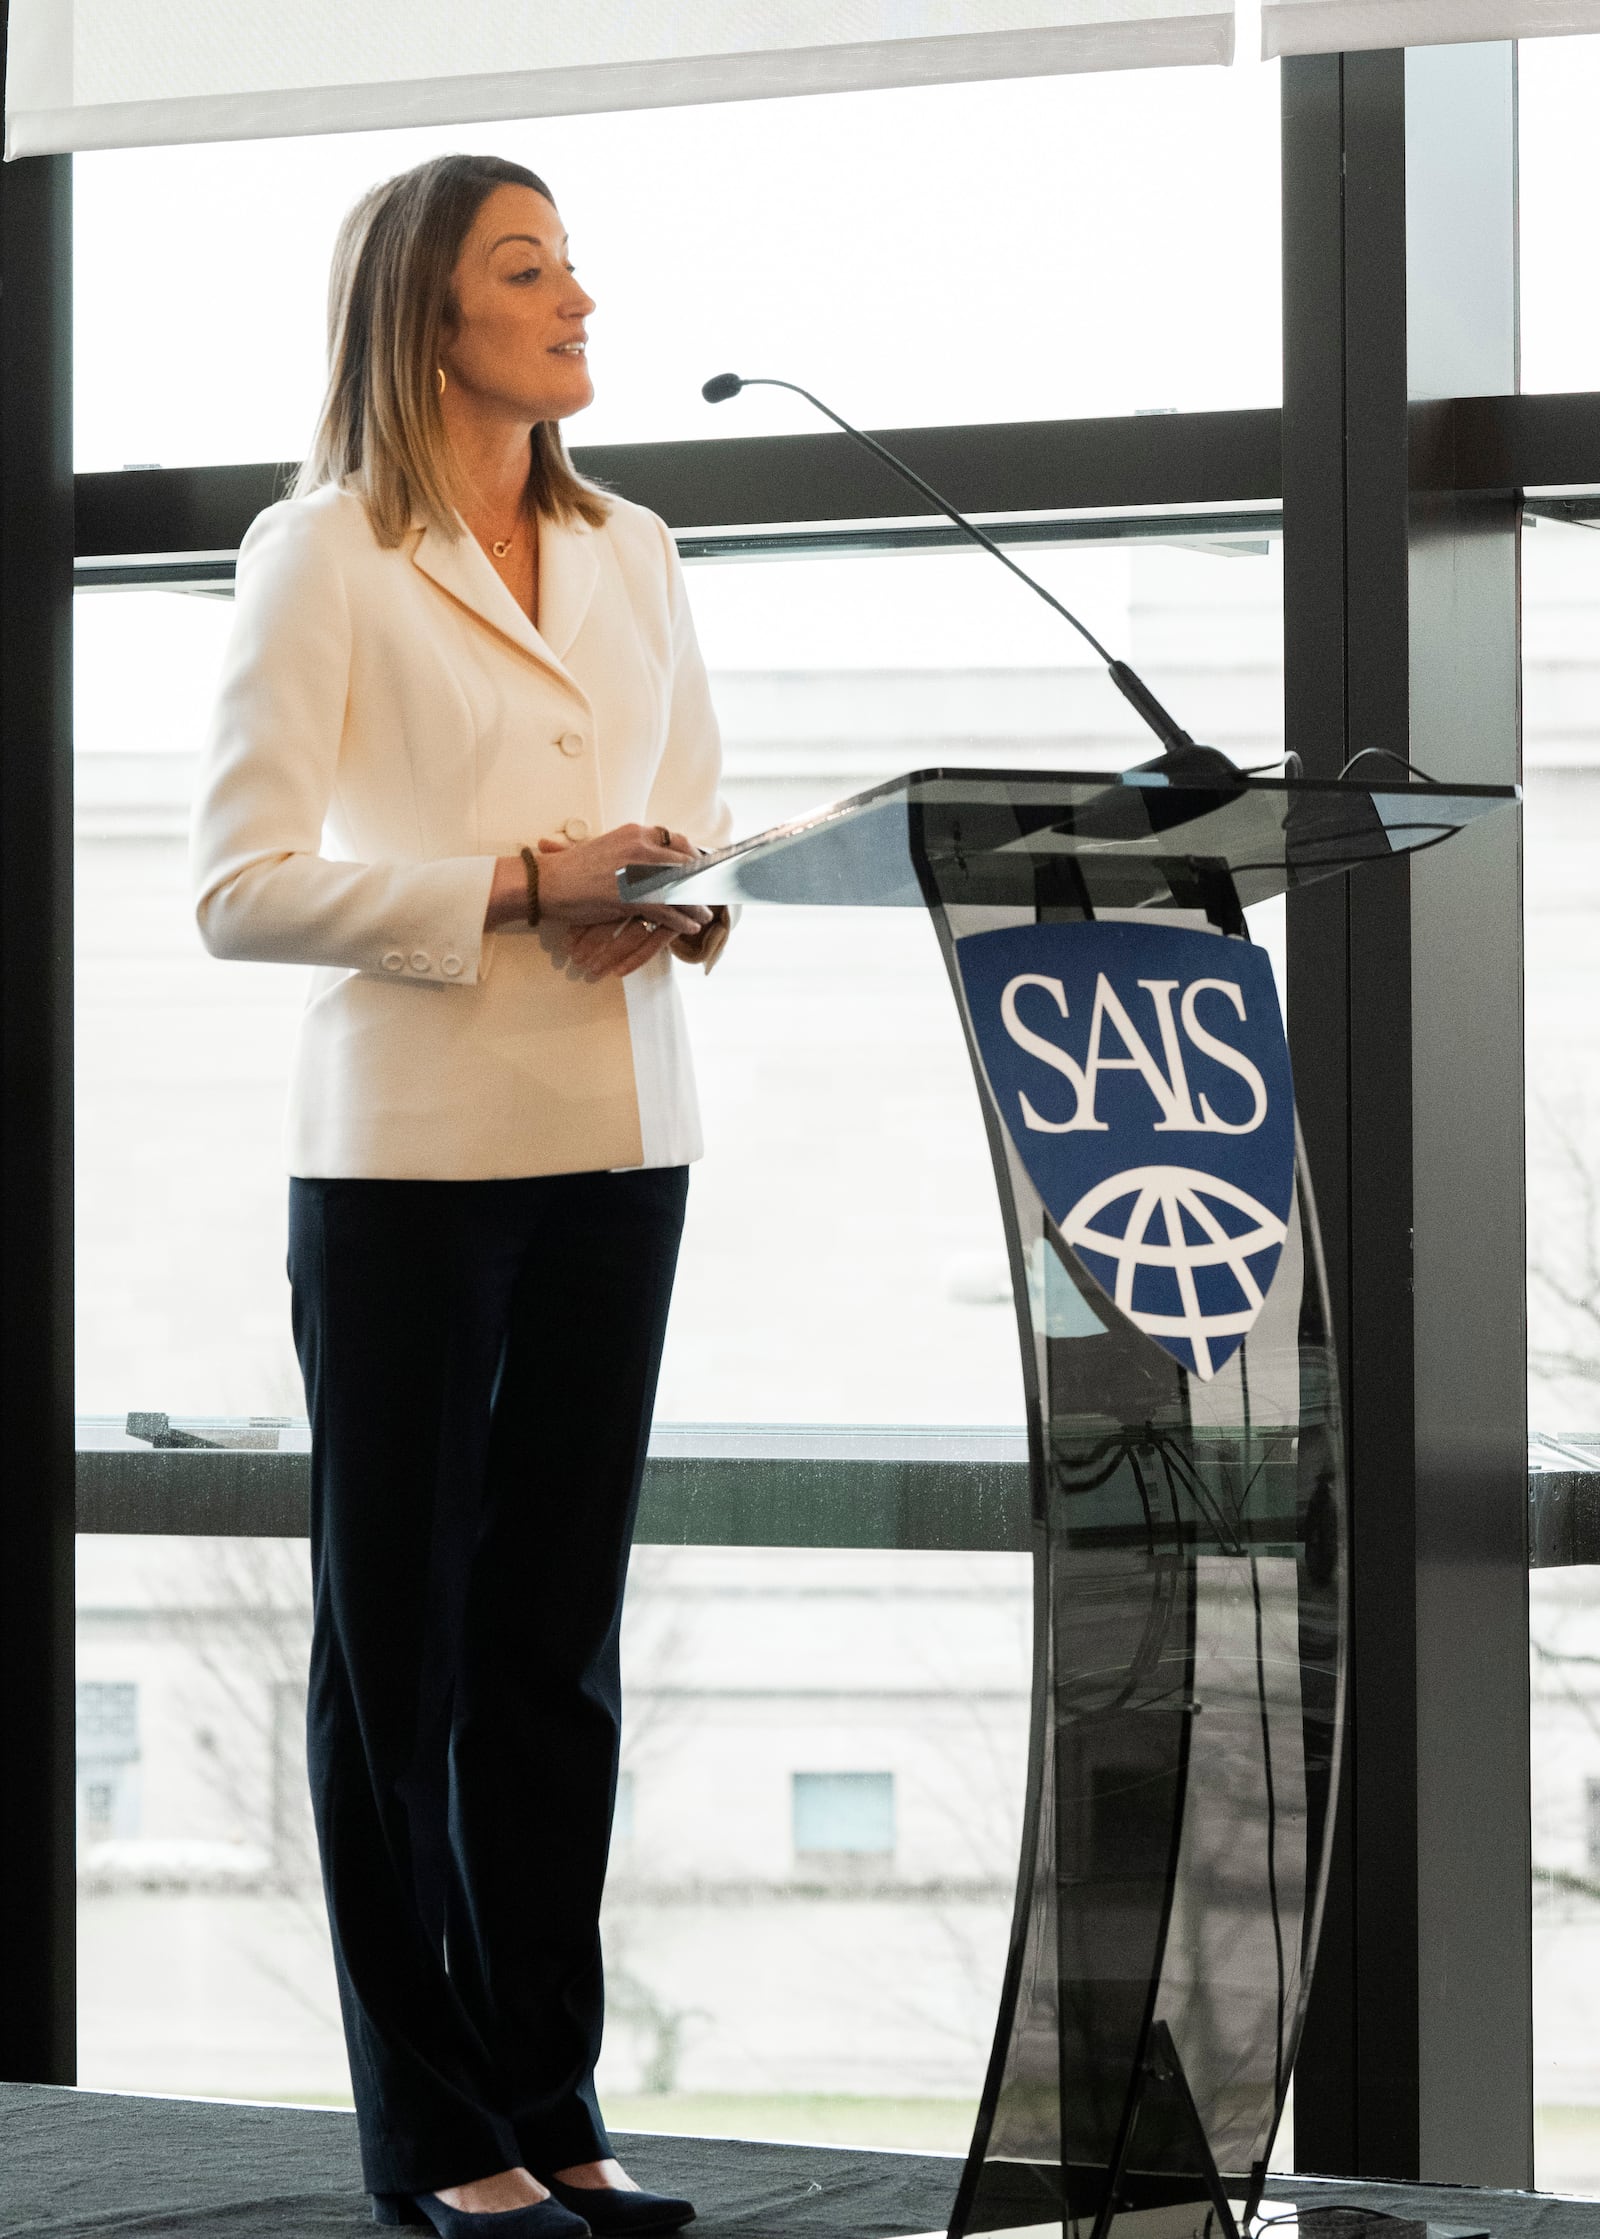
(1183, 757)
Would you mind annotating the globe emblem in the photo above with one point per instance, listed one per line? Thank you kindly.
(1182, 1256)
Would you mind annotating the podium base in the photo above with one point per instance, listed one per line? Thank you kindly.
(1188, 2220)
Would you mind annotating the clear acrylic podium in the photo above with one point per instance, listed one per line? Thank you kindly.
(1186, 1461)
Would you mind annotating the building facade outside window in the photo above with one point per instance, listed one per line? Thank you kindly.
(108, 1761)
(843, 1815)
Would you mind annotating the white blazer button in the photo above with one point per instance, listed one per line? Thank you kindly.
(420, 960)
(450, 966)
(576, 828)
(571, 742)
(393, 960)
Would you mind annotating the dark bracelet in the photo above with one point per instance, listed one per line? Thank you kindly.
(530, 863)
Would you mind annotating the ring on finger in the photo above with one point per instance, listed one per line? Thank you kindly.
(666, 836)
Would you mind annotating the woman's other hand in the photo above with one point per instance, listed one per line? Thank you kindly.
(578, 883)
(708, 944)
(605, 952)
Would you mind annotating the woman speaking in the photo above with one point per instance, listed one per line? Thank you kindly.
(462, 690)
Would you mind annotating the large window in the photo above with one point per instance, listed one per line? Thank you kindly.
(1558, 85)
(182, 1064)
(789, 1952)
(1561, 684)
(844, 1261)
(1032, 249)
(1561, 702)
(825, 1751)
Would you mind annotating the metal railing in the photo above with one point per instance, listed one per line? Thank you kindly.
(708, 1485)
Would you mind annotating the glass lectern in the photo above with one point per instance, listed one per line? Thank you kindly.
(1186, 1459)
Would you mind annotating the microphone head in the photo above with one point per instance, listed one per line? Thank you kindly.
(720, 387)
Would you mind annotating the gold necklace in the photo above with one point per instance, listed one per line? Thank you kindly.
(501, 545)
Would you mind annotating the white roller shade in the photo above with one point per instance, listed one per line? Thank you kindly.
(134, 73)
(1329, 26)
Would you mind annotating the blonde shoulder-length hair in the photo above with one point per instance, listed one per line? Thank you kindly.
(381, 432)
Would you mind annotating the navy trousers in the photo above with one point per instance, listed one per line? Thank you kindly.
(480, 1364)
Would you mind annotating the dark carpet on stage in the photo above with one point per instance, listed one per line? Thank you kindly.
(96, 2165)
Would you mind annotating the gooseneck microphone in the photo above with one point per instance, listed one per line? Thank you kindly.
(1182, 758)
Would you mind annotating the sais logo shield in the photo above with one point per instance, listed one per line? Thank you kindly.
(1144, 1077)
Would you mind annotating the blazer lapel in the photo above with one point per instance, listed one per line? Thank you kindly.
(568, 570)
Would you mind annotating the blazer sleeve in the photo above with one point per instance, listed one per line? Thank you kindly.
(263, 889)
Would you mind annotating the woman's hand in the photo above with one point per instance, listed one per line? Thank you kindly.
(578, 883)
(604, 952)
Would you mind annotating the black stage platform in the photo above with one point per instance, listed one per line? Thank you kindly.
(97, 2165)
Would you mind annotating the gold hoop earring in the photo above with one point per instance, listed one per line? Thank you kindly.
(439, 369)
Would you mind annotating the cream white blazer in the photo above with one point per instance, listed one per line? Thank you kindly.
(389, 722)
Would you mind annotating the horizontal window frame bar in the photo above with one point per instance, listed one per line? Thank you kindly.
(706, 1484)
(1578, 509)
(688, 1501)
(211, 574)
(1030, 466)
(1121, 462)
(1220, 525)
(204, 573)
(860, 1495)
(1497, 443)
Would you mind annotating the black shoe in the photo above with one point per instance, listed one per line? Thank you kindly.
(612, 2213)
(541, 2219)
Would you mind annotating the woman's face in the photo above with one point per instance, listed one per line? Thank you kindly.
(518, 340)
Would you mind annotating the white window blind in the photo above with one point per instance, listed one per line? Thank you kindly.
(1327, 26)
(132, 73)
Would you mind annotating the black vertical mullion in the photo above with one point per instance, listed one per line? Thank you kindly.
(37, 1896)
(1346, 683)
(1316, 727)
(1347, 686)
(1382, 1442)
(1400, 626)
